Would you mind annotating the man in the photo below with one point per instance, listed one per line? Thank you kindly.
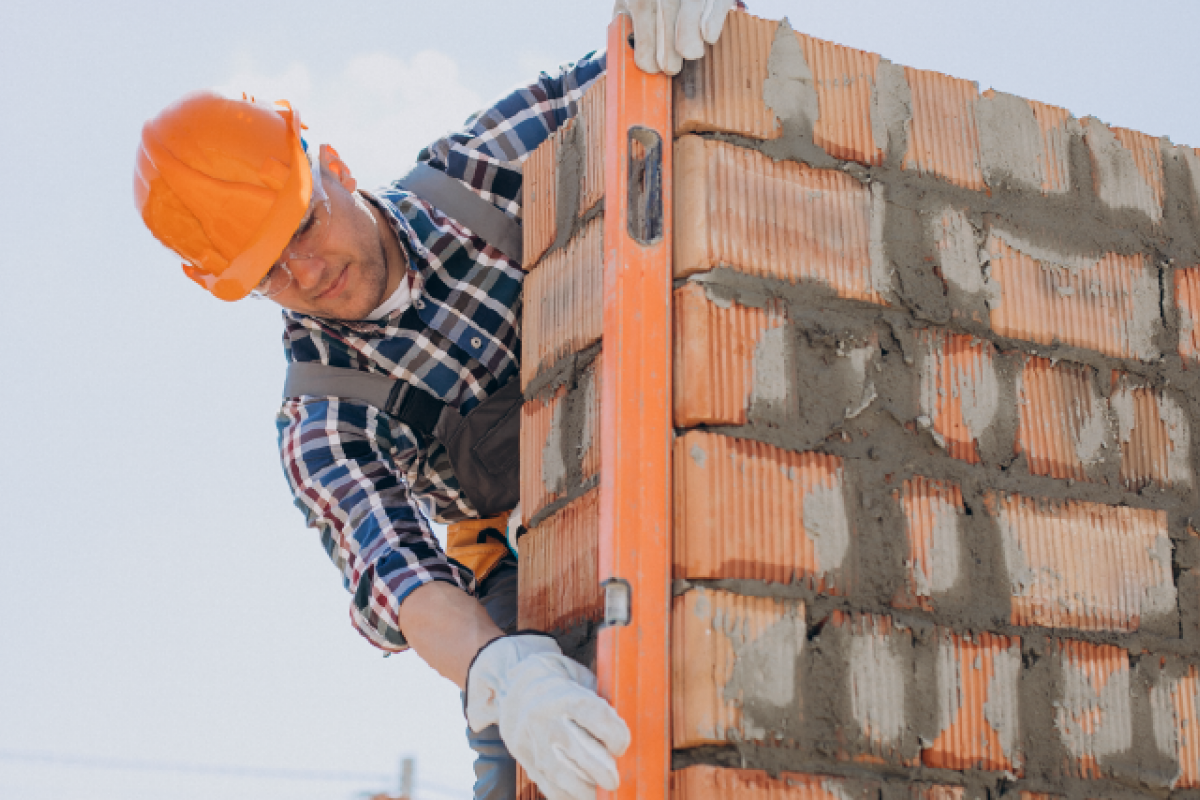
(388, 288)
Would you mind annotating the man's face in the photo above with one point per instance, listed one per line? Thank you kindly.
(346, 276)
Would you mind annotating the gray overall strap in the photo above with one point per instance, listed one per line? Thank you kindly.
(415, 407)
(459, 203)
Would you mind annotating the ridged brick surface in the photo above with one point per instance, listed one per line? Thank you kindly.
(710, 783)
(977, 703)
(715, 357)
(934, 513)
(943, 138)
(591, 112)
(564, 302)
(877, 675)
(1064, 425)
(1094, 715)
(1084, 565)
(928, 791)
(1187, 299)
(1109, 304)
(1024, 144)
(710, 631)
(526, 789)
(1154, 434)
(544, 467)
(1183, 697)
(537, 421)
(958, 390)
(844, 79)
(1127, 168)
(744, 509)
(723, 90)
(1056, 142)
(737, 208)
(559, 582)
(539, 198)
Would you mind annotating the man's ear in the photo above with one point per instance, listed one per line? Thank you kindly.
(330, 160)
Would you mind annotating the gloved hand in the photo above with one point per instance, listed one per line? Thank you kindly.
(553, 722)
(667, 31)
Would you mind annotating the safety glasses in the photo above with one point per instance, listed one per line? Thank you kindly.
(305, 243)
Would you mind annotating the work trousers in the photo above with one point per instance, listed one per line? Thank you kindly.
(495, 769)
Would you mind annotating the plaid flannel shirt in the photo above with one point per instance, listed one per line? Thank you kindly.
(362, 478)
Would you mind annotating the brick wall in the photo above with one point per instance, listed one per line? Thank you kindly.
(936, 361)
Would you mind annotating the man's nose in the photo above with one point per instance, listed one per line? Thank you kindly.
(308, 272)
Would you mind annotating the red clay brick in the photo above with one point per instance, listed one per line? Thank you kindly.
(844, 78)
(959, 391)
(1024, 142)
(709, 783)
(539, 212)
(878, 670)
(1187, 299)
(539, 198)
(544, 469)
(723, 92)
(1154, 434)
(744, 509)
(564, 305)
(1127, 168)
(537, 421)
(1106, 303)
(1176, 702)
(559, 583)
(1064, 426)
(710, 632)
(1056, 125)
(591, 113)
(934, 513)
(943, 139)
(1085, 565)
(977, 704)
(1093, 717)
(526, 788)
(931, 791)
(737, 208)
(715, 363)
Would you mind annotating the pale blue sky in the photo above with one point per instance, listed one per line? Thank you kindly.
(160, 598)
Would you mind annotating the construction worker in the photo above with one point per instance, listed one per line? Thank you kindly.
(401, 312)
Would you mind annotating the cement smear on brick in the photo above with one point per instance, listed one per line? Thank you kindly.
(1010, 142)
(572, 430)
(891, 111)
(790, 93)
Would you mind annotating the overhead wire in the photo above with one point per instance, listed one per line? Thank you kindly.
(225, 770)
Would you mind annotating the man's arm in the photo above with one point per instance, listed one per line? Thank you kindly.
(344, 461)
(432, 610)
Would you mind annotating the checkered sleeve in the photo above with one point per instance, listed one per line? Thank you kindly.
(487, 154)
(344, 460)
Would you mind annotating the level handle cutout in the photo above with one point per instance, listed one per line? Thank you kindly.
(644, 214)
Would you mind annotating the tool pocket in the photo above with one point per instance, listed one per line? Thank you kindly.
(485, 449)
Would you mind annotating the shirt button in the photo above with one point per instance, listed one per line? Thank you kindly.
(477, 343)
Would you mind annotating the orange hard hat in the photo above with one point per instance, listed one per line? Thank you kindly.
(225, 184)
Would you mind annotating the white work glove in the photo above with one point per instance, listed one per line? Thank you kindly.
(667, 31)
(553, 722)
